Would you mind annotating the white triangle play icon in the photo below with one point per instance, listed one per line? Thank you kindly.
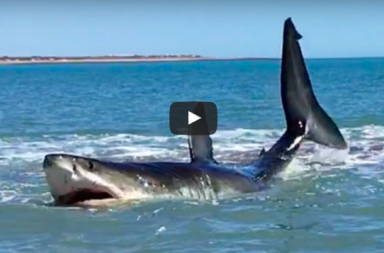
(192, 117)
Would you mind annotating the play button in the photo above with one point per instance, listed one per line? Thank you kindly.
(193, 118)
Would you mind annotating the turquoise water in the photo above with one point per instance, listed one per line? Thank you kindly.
(326, 201)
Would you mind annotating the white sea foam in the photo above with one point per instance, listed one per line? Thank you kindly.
(20, 158)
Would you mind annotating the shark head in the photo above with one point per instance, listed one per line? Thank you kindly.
(74, 180)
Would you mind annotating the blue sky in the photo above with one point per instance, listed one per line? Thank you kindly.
(211, 28)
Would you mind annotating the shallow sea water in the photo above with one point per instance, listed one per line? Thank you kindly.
(326, 201)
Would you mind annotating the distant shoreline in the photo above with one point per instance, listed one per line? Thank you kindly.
(115, 59)
(26, 60)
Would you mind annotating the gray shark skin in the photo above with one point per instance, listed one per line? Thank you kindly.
(75, 179)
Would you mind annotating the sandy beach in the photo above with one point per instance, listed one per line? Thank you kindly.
(63, 60)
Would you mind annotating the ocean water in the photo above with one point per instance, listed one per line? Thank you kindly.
(326, 201)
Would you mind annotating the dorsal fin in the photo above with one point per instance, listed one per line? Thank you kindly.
(200, 146)
(200, 149)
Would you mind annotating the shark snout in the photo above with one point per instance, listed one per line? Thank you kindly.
(49, 160)
(52, 160)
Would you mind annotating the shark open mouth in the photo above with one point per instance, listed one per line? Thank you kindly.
(83, 195)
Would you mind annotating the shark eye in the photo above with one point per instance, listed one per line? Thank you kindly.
(91, 165)
(74, 168)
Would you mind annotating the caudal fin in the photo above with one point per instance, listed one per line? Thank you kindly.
(303, 113)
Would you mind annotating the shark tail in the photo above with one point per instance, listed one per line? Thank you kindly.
(304, 115)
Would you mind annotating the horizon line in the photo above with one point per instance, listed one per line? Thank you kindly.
(167, 56)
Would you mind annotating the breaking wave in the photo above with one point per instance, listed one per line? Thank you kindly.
(22, 179)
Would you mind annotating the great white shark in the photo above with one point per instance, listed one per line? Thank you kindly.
(74, 180)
